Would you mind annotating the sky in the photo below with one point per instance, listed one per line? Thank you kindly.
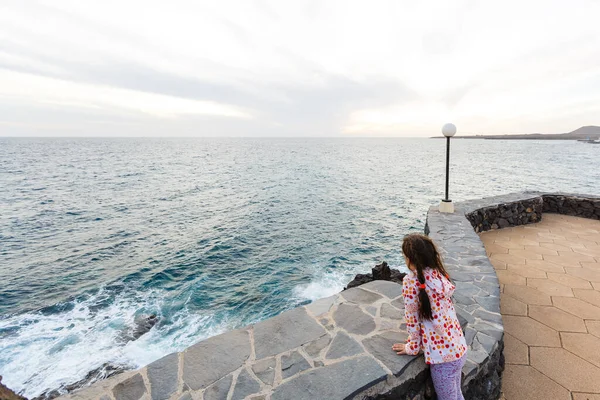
(297, 68)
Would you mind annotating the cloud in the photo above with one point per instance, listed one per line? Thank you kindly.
(305, 68)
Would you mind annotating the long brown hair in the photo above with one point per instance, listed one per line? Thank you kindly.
(422, 253)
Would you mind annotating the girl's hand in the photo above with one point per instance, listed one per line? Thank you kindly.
(399, 348)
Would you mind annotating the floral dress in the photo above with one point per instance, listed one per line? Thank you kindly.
(440, 339)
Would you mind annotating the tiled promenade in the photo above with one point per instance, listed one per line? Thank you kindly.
(550, 302)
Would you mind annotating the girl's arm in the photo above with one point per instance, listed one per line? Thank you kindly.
(413, 324)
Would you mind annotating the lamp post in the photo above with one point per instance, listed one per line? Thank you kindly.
(448, 130)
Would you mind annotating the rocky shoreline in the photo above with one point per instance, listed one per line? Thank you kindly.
(141, 325)
(7, 394)
(380, 272)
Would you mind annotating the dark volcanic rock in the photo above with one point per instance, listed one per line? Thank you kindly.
(397, 276)
(7, 394)
(143, 324)
(359, 279)
(381, 272)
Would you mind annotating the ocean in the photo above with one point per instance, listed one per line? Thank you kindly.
(216, 234)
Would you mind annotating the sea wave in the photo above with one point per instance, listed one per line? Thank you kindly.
(49, 349)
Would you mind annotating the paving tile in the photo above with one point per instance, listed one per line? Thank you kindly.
(571, 234)
(591, 265)
(530, 332)
(549, 235)
(586, 396)
(515, 351)
(565, 368)
(590, 296)
(542, 250)
(543, 239)
(577, 307)
(527, 242)
(579, 241)
(494, 248)
(574, 243)
(488, 237)
(550, 287)
(556, 246)
(500, 239)
(508, 258)
(590, 238)
(498, 265)
(590, 274)
(526, 254)
(524, 382)
(584, 345)
(525, 271)
(509, 244)
(281, 333)
(537, 228)
(511, 306)
(593, 327)
(557, 319)
(505, 276)
(591, 252)
(335, 381)
(589, 230)
(545, 266)
(569, 280)
(528, 295)
(563, 260)
(576, 255)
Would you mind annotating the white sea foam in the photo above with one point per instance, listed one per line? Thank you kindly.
(327, 283)
(50, 351)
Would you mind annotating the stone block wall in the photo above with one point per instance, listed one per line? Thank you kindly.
(476, 299)
(577, 205)
(497, 216)
(338, 347)
(526, 208)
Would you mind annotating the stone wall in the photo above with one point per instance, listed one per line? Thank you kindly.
(526, 208)
(334, 348)
(495, 216)
(476, 299)
(577, 205)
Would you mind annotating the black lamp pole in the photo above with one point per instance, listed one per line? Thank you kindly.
(447, 165)
(446, 205)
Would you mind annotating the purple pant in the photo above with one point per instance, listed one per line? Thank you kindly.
(446, 379)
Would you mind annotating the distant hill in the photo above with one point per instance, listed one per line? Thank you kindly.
(585, 132)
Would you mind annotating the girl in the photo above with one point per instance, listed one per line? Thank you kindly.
(430, 317)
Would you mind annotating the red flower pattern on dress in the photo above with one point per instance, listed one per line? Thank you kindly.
(441, 339)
